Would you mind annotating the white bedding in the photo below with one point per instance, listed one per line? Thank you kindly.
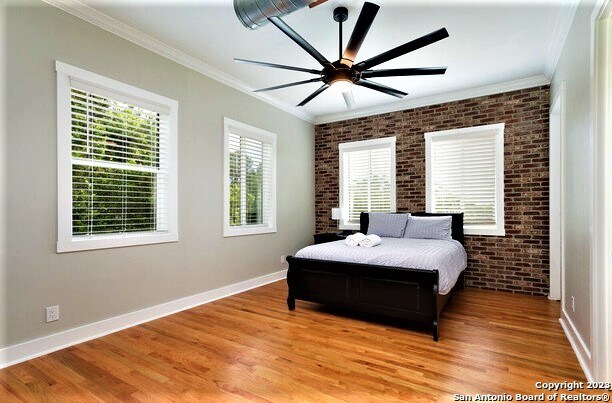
(446, 256)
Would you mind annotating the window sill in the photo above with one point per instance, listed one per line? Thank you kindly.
(484, 231)
(113, 241)
(349, 227)
(248, 230)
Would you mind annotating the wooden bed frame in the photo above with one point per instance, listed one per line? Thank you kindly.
(410, 294)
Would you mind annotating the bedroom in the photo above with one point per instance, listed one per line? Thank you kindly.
(501, 331)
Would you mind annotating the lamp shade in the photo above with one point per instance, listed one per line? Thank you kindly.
(336, 213)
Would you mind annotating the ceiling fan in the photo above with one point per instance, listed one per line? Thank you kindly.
(344, 72)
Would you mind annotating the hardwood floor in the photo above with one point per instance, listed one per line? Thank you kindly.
(249, 347)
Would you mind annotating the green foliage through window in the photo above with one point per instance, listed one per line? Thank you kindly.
(249, 173)
(116, 173)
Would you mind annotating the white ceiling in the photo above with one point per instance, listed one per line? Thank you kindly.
(491, 42)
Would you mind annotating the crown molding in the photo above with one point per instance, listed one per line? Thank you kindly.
(101, 20)
(560, 32)
(484, 90)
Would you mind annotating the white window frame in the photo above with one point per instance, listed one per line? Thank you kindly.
(499, 228)
(66, 242)
(386, 142)
(231, 126)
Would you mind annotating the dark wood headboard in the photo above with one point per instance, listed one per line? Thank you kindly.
(456, 225)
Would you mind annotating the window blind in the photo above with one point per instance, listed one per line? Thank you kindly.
(250, 176)
(463, 176)
(368, 178)
(119, 166)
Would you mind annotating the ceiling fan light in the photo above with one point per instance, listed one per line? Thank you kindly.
(342, 85)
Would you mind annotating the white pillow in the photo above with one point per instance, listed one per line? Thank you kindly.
(438, 227)
(390, 225)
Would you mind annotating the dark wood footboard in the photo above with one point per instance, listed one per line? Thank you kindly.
(409, 294)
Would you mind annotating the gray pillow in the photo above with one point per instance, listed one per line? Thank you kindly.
(429, 227)
(388, 225)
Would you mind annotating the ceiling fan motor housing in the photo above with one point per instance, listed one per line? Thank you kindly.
(340, 72)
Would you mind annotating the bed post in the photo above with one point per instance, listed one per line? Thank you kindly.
(461, 281)
(290, 285)
(291, 303)
(435, 312)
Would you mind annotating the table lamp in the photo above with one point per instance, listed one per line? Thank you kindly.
(337, 215)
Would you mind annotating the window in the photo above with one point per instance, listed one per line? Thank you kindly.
(249, 190)
(367, 179)
(116, 163)
(465, 173)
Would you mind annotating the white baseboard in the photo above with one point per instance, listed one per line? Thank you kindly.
(580, 348)
(34, 348)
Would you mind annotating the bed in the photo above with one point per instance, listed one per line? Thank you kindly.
(411, 294)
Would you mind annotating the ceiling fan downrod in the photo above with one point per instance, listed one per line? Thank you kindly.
(340, 15)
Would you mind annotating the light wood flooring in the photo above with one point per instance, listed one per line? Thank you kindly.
(249, 347)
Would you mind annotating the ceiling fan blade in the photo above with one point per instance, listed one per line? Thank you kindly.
(314, 94)
(287, 30)
(382, 88)
(420, 71)
(349, 99)
(364, 22)
(316, 3)
(314, 80)
(278, 66)
(403, 49)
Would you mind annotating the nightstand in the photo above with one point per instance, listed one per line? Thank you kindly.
(328, 237)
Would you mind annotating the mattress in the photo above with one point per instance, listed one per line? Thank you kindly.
(446, 256)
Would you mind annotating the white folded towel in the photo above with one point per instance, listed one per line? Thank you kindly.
(370, 241)
(353, 240)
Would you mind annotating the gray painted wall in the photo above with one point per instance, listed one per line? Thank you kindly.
(94, 285)
(574, 68)
(3, 174)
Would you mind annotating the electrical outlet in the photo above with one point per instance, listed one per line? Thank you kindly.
(53, 313)
(573, 304)
(283, 258)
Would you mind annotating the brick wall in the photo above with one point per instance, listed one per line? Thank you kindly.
(517, 262)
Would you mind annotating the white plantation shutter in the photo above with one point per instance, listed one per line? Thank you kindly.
(116, 163)
(251, 173)
(119, 167)
(465, 174)
(367, 179)
(249, 180)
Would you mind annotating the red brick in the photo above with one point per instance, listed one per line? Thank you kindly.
(518, 262)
